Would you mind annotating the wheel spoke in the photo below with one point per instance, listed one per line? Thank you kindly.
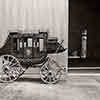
(10, 62)
(4, 61)
(9, 77)
(49, 79)
(46, 78)
(14, 64)
(7, 58)
(45, 72)
(52, 77)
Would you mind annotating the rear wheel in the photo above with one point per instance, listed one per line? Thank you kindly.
(50, 73)
(10, 68)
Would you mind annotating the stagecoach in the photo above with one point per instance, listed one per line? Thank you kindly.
(21, 51)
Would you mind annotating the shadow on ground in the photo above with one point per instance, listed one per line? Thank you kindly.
(25, 79)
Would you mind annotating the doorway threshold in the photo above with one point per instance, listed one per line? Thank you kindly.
(83, 68)
(84, 71)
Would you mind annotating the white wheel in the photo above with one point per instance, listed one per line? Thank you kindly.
(50, 73)
(10, 68)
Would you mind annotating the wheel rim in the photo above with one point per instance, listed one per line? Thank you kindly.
(10, 68)
(48, 75)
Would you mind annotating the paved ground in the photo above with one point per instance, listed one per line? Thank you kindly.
(75, 87)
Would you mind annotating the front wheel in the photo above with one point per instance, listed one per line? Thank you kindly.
(50, 73)
(10, 68)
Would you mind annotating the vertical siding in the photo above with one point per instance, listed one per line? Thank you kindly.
(31, 15)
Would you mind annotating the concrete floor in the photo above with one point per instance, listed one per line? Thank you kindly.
(75, 87)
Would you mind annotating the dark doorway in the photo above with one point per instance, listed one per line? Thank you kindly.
(84, 14)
